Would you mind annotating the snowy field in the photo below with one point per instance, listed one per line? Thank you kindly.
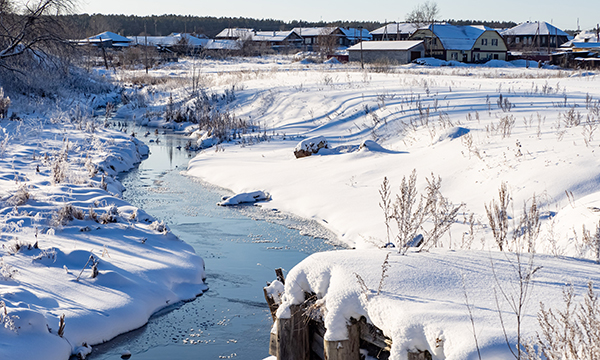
(72, 247)
(475, 127)
(78, 265)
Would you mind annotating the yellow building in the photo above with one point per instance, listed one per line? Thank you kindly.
(462, 43)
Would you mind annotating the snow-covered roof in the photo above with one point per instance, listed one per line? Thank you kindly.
(357, 34)
(395, 28)
(458, 37)
(170, 40)
(223, 45)
(107, 35)
(582, 37)
(314, 31)
(386, 45)
(234, 33)
(270, 35)
(534, 28)
(586, 45)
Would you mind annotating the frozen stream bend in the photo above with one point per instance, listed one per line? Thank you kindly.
(231, 319)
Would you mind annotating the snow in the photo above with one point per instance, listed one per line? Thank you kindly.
(57, 174)
(386, 45)
(395, 28)
(534, 28)
(245, 198)
(457, 37)
(421, 302)
(442, 120)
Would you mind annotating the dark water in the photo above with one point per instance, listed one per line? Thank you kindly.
(241, 248)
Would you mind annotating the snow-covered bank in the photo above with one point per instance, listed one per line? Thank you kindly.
(71, 248)
(420, 300)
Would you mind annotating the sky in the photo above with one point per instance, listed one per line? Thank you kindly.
(565, 17)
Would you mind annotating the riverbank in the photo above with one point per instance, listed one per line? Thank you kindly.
(78, 265)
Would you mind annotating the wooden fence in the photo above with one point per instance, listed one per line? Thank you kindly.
(301, 337)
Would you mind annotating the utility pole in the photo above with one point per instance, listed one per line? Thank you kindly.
(362, 64)
(146, 47)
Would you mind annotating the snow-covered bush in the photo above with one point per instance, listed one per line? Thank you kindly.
(20, 197)
(6, 272)
(7, 321)
(159, 226)
(66, 214)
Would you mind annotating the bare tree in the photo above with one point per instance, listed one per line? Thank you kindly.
(423, 15)
(30, 26)
(327, 41)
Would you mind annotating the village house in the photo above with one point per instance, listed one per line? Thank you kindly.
(176, 42)
(394, 31)
(462, 43)
(107, 39)
(538, 35)
(396, 52)
(276, 40)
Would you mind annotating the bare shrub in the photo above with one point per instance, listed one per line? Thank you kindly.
(159, 226)
(571, 334)
(571, 118)
(506, 125)
(20, 197)
(409, 212)
(7, 321)
(504, 103)
(386, 205)
(66, 214)
(441, 212)
(497, 214)
(592, 242)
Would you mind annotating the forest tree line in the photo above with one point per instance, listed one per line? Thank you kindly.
(161, 25)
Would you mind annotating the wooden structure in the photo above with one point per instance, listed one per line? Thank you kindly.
(396, 52)
(469, 44)
(301, 336)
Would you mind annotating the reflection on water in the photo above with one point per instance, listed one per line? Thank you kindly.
(239, 248)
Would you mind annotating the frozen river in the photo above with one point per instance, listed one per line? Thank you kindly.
(240, 246)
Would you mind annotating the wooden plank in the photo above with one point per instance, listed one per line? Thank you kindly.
(344, 349)
(373, 335)
(293, 336)
(316, 345)
(419, 355)
(273, 306)
(280, 277)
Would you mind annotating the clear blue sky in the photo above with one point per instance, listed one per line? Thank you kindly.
(563, 14)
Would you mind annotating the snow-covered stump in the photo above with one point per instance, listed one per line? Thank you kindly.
(344, 349)
(293, 336)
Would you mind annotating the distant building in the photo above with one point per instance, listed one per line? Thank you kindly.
(276, 40)
(176, 42)
(538, 35)
(461, 43)
(394, 31)
(399, 52)
(353, 36)
(107, 39)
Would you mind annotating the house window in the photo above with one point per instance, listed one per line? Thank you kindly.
(517, 40)
(483, 41)
(494, 42)
(496, 56)
(454, 56)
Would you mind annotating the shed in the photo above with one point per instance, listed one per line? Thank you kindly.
(400, 52)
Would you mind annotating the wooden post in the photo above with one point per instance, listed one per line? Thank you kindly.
(344, 349)
(273, 345)
(272, 304)
(293, 336)
(279, 274)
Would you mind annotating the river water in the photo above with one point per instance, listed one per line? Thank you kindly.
(240, 246)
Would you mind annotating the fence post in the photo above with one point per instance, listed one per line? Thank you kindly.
(344, 349)
(293, 336)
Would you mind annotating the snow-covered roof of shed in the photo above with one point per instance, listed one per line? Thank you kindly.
(314, 31)
(355, 33)
(586, 45)
(386, 45)
(107, 35)
(458, 37)
(534, 28)
(395, 28)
